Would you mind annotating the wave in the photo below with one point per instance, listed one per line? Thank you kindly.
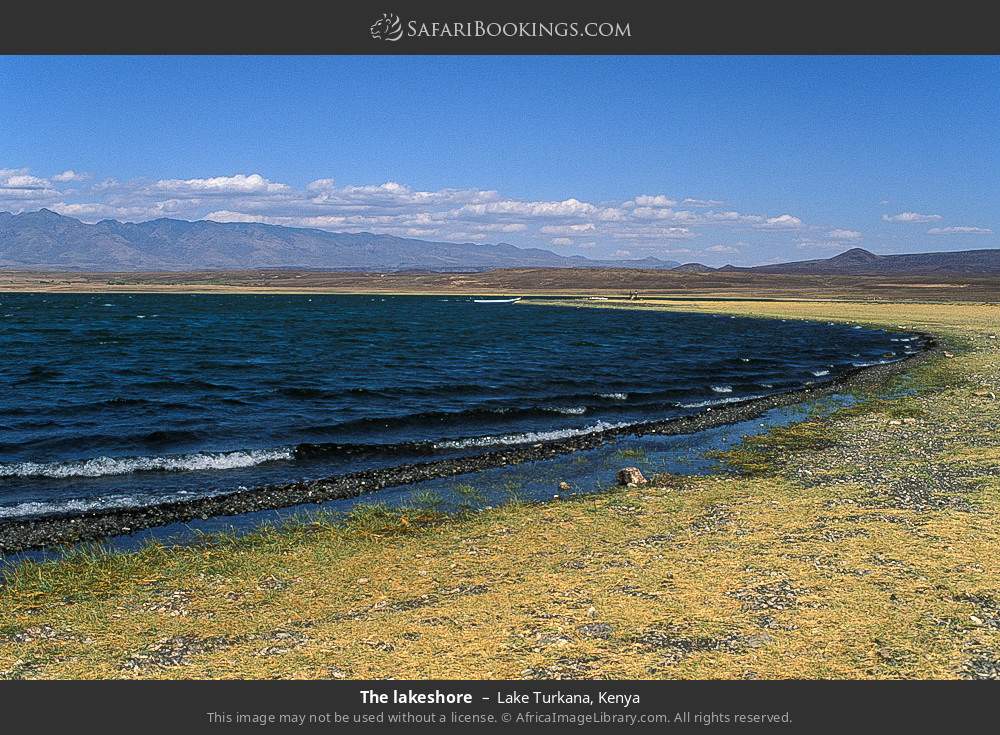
(820, 373)
(529, 437)
(722, 388)
(185, 384)
(613, 396)
(32, 508)
(386, 391)
(871, 363)
(105, 466)
(481, 413)
(164, 437)
(719, 401)
(38, 374)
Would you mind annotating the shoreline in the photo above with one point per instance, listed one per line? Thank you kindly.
(50, 531)
(853, 544)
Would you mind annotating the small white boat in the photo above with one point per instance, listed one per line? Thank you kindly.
(496, 301)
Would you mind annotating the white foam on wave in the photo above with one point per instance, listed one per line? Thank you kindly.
(871, 363)
(718, 401)
(103, 502)
(104, 466)
(77, 505)
(613, 396)
(820, 373)
(566, 410)
(722, 388)
(528, 437)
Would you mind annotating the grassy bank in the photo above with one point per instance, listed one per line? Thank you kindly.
(859, 545)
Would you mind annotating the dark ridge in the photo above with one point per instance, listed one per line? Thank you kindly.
(860, 262)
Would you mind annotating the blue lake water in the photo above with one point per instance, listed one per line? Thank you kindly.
(121, 400)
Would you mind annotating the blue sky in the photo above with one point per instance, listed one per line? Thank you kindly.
(715, 159)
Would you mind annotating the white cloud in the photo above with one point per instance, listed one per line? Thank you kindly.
(959, 230)
(622, 254)
(69, 175)
(726, 249)
(226, 216)
(577, 229)
(320, 185)
(498, 227)
(221, 185)
(911, 217)
(19, 178)
(93, 211)
(390, 195)
(844, 235)
(661, 213)
(652, 200)
(651, 232)
(19, 187)
(781, 222)
(689, 201)
(565, 208)
(734, 217)
(561, 241)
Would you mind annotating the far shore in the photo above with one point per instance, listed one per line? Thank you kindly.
(615, 283)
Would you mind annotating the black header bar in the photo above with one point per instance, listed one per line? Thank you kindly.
(513, 27)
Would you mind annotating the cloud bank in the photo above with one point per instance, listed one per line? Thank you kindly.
(648, 223)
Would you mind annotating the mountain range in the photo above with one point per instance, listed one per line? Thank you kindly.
(46, 240)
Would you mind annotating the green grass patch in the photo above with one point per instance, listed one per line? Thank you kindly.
(764, 454)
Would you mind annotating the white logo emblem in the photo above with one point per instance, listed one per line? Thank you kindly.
(387, 28)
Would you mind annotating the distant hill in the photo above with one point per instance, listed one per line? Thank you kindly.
(46, 240)
(694, 268)
(860, 262)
